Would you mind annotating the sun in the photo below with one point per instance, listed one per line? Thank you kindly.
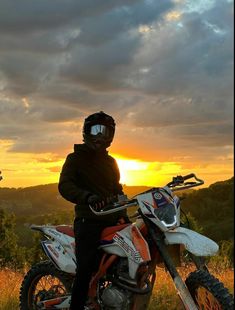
(129, 167)
(134, 172)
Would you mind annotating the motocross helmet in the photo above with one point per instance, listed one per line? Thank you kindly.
(98, 130)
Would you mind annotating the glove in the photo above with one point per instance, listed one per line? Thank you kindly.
(123, 220)
(95, 202)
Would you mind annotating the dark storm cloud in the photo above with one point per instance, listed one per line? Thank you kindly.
(72, 58)
(43, 38)
(104, 67)
(27, 16)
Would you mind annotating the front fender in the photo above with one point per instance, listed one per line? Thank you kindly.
(194, 242)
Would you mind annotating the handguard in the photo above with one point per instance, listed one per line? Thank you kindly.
(122, 204)
(178, 183)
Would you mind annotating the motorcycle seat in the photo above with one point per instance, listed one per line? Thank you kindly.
(66, 229)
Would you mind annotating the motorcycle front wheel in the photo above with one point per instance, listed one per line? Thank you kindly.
(208, 292)
(43, 281)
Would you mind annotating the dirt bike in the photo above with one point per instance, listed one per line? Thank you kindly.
(131, 253)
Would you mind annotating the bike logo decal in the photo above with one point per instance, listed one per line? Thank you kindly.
(53, 251)
(58, 247)
(157, 196)
(127, 248)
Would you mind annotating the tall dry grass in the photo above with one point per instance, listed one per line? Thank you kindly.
(10, 282)
(164, 294)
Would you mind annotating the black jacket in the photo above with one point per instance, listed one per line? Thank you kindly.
(87, 172)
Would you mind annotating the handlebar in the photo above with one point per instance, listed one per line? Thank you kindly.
(115, 207)
(177, 184)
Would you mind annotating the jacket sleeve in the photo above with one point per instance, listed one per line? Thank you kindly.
(67, 186)
(117, 185)
(119, 190)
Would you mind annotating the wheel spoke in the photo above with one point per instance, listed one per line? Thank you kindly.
(47, 287)
(206, 301)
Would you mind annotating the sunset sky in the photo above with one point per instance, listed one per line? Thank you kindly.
(163, 69)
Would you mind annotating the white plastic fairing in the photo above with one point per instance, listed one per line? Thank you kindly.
(59, 256)
(150, 202)
(66, 241)
(124, 245)
(194, 242)
(113, 249)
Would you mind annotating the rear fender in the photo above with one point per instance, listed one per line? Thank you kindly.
(194, 242)
(67, 242)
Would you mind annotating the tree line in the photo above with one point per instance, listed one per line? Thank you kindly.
(208, 210)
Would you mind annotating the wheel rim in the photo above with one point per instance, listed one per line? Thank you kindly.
(45, 287)
(206, 300)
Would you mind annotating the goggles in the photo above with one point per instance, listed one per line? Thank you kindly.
(100, 129)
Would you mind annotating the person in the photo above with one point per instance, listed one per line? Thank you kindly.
(90, 176)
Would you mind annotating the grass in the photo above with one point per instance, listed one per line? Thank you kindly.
(164, 294)
(10, 282)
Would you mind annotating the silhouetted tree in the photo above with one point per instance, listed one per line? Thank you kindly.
(10, 253)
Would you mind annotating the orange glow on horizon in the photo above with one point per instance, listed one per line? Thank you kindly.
(29, 169)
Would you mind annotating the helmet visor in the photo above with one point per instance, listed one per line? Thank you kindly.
(100, 129)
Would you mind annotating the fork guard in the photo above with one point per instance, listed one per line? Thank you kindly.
(194, 242)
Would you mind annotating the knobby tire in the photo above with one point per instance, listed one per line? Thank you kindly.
(203, 280)
(33, 276)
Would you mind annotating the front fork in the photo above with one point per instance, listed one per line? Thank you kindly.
(181, 287)
(199, 262)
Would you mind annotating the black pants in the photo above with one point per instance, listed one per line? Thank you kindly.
(87, 236)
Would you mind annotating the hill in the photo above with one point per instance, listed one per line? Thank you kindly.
(41, 204)
(212, 207)
(43, 199)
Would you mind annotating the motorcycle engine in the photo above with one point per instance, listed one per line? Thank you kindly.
(115, 298)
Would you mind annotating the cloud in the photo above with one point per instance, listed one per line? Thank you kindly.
(185, 56)
(26, 16)
(163, 69)
(55, 169)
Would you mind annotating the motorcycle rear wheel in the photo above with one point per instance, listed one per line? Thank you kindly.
(208, 292)
(43, 281)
